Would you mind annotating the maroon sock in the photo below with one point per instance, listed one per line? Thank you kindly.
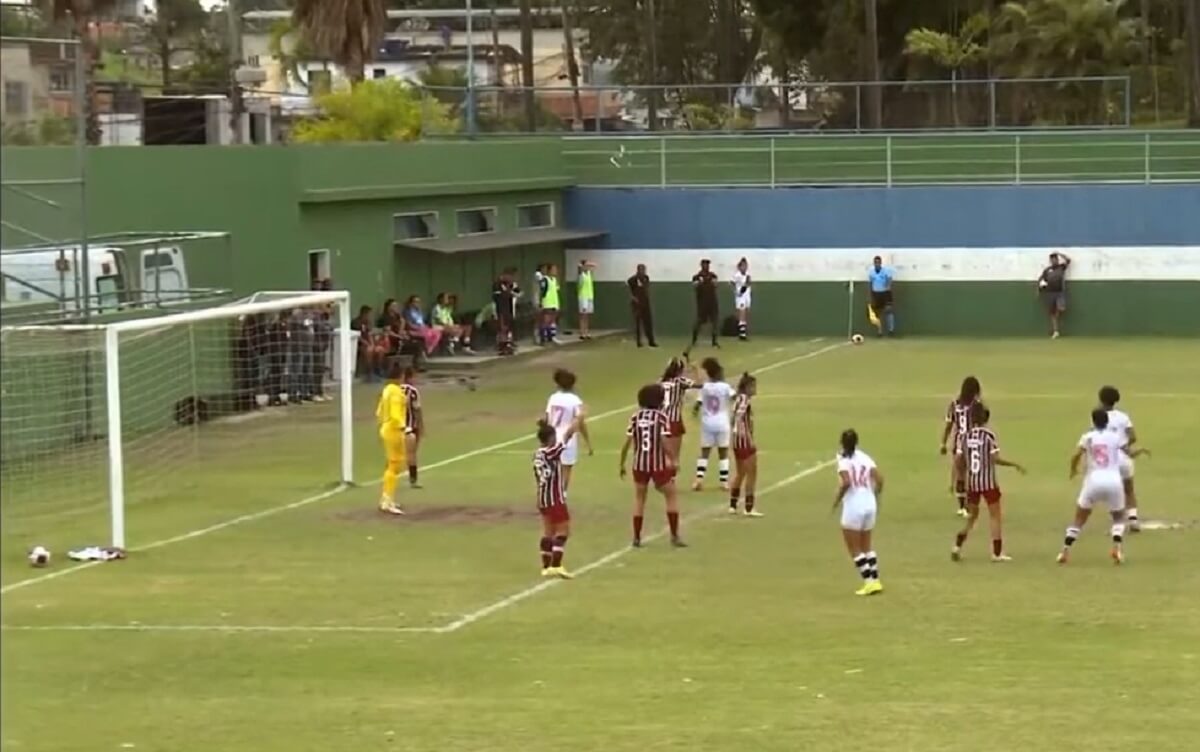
(749, 502)
(547, 549)
(960, 539)
(733, 498)
(637, 526)
(673, 523)
(997, 546)
(556, 556)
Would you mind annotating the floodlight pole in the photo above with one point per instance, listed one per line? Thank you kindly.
(83, 274)
(470, 71)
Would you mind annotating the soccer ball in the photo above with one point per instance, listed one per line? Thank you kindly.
(857, 339)
(39, 556)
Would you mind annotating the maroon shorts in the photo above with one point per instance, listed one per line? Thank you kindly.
(659, 479)
(556, 514)
(991, 496)
(677, 429)
(744, 453)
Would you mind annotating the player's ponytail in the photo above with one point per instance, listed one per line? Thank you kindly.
(545, 432)
(746, 383)
(1100, 418)
(970, 390)
(849, 442)
(675, 367)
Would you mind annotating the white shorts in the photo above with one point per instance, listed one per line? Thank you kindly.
(742, 302)
(1126, 467)
(858, 514)
(587, 305)
(714, 435)
(1104, 491)
(571, 453)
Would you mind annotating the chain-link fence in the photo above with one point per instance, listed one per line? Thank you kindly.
(1093, 102)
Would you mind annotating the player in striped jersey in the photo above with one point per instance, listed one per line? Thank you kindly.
(551, 495)
(745, 452)
(676, 381)
(653, 461)
(1120, 423)
(978, 456)
(958, 420)
(414, 425)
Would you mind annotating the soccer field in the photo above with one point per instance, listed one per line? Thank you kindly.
(324, 626)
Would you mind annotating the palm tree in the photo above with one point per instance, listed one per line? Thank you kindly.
(1193, 26)
(344, 31)
(874, 92)
(82, 14)
(951, 51)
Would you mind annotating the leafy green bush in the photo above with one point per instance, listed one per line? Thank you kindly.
(384, 110)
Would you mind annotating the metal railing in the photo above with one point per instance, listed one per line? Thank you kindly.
(1011, 157)
(970, 104)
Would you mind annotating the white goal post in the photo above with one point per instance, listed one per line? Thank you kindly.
(194, 416)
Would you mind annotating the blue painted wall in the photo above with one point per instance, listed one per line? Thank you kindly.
(972, 216)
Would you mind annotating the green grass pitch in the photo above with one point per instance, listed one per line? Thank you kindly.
(325, 627)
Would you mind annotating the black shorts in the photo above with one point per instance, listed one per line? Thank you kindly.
(1055, 302)
(881, 300)
(707, 315)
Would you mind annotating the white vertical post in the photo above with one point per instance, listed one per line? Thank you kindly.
(888, 158)
(346, 389)
(1017, 158)
(1146, 136)
(662, 162)
(116, 466)
(772, 161)
(850, 311)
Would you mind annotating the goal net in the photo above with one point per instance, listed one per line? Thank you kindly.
(175, 422)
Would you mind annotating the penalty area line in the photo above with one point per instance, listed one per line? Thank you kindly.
(272, 511)
(229, 628)
(603, 561)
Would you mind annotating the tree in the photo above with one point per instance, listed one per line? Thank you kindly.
(81, 14)
(383, 110)
(1193, 77)
(211, 68)
(174, 27)
(527, 64)
(950, 51)
(289, 46)
(344, 31)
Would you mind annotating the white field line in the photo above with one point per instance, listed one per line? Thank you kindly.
(992, 396)
(272, 511)
(516, 598)
(454, 626)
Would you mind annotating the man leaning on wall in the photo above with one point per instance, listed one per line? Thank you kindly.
(1052, 289)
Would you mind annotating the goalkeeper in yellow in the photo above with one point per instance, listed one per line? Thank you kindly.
(392, 414)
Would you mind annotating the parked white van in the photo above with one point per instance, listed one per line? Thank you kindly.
(111, 281)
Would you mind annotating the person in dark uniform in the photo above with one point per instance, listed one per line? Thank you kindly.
(704, 282)
(1052, 288)
(639, 302)
(505, 292)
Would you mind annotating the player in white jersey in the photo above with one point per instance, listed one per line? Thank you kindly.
(563, 407)
(741, 298)
(713, 406)
(1120, 423)
(1102, 484)
(858, 494)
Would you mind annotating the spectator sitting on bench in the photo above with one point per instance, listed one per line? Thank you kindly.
(454, 333)
(401, 344)
(416, 326)
(388, 314)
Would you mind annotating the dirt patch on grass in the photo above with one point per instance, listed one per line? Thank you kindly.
(449, 514)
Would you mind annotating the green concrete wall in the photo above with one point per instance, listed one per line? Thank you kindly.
(1010, 309)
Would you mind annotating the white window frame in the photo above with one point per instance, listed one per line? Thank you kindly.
(495, 216)
(553, 216)
(437, 216)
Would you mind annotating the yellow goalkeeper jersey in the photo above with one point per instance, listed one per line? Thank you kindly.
(392, 410)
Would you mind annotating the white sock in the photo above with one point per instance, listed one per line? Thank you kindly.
(724, 470)
(701, 468)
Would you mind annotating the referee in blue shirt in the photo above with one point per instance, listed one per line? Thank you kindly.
(880, 277)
